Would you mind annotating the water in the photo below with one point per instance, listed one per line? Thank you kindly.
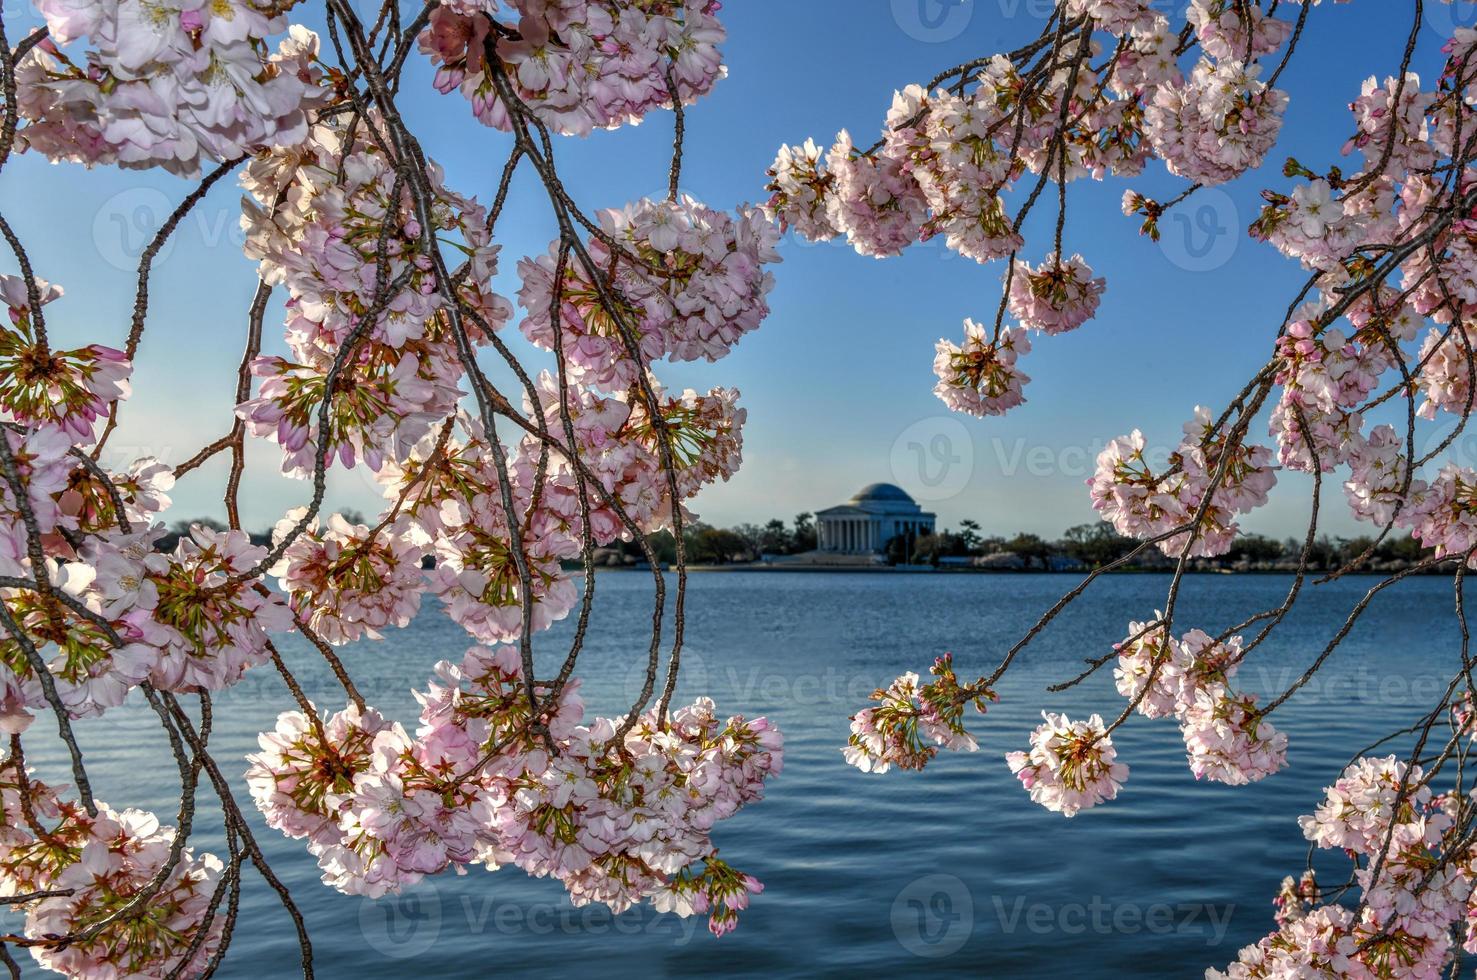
(952, 870)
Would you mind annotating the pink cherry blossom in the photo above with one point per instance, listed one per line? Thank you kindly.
(911, 721)
(1216, 124)
(1227, 741)
(690, 282)
(349, 581)
(1056, 296)
(1228, 31)
(167, 85)
(799, 188)
(981, 377)
(1144, 504)
(1071, 765)
(303, 768)
(578, 65)
(213, 627)
(119, 857)
(70, 388)
(1113, 16)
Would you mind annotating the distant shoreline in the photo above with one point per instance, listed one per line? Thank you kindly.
(916, 570)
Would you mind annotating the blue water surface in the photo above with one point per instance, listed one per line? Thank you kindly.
(951, 871)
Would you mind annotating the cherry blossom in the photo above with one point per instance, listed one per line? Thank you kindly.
(615, 821)
(34, 850)
(1411, 149)
(1446, 380)
(1378, 471)
(92, 868)
(303, 767)
(1143, 504)
(911, 721)
(799, 188)
(1114, 16)
(981, 377)
(1409, 899)
(1165, 675)
(70, 388)
(577, 65)
(1227, 741)
(325, 242)
(124, 853)
(688, 281)
(1217, 123)
(705, 433)
(212, 625)
(1228, 31)
(143, 489)
(875, 201)
(43, 461)
(1315, 227)
(1071, 765)
(1444, 515)
(94, 659)
(1056, 296)
(1147, 669)
(349, 581)
(166, 85)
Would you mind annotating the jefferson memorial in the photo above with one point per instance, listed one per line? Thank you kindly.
(866, 523)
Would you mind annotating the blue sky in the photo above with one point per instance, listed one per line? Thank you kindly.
(838, 380)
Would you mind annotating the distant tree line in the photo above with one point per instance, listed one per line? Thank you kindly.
(1085, 545)
(1095, 545)
(708, 545)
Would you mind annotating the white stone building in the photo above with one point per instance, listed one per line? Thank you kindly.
(872, 518)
